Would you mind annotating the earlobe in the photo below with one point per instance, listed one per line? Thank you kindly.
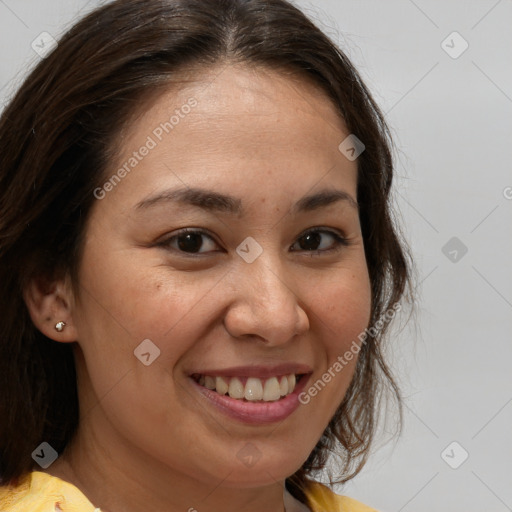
(49, 306)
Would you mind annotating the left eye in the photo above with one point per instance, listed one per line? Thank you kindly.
(319, 240)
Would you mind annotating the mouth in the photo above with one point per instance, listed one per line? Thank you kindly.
(250, 389)
(252, 395)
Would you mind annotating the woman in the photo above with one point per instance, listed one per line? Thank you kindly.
(198, 264)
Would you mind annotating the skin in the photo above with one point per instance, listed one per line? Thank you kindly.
(147, 440)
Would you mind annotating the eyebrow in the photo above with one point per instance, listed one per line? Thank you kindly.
(213, 201)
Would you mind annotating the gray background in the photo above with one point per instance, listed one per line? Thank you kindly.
(452, 121)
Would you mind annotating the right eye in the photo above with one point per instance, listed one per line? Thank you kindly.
(190, 241)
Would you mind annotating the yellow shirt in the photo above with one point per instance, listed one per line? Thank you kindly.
(41, 492)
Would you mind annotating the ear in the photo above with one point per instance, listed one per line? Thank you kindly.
(49, 303)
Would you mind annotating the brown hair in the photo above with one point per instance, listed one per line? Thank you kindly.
(56, 140)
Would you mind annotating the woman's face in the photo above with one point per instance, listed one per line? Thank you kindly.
(214, 261)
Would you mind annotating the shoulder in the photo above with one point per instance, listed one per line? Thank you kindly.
(40, 492)
(322, 499)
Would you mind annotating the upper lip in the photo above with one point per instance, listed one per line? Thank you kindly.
(259, 371)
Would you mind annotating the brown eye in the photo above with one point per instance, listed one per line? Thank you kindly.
(310, 241)
(320, 240)
(191, 242)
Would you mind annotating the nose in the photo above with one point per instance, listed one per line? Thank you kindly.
(265, 304)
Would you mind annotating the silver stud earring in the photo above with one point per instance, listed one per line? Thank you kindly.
(59, 326)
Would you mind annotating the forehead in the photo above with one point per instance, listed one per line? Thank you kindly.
(248, 127)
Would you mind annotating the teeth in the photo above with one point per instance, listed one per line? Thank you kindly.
(271, 390)
(291, 382)
(283, 386)
(209, 382)
(255, 389)
(236, 388)
(221, 386)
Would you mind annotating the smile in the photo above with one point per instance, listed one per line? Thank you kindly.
(251, 389)
(252, 395)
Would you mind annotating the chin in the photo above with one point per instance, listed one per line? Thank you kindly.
(260, 473)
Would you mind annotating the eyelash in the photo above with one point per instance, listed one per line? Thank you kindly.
(339, 241)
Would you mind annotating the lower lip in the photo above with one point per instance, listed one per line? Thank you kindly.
(256, 413)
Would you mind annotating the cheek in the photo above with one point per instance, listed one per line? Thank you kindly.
(136, 295)
(344, 306)
(342, 309)
(171, 309)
